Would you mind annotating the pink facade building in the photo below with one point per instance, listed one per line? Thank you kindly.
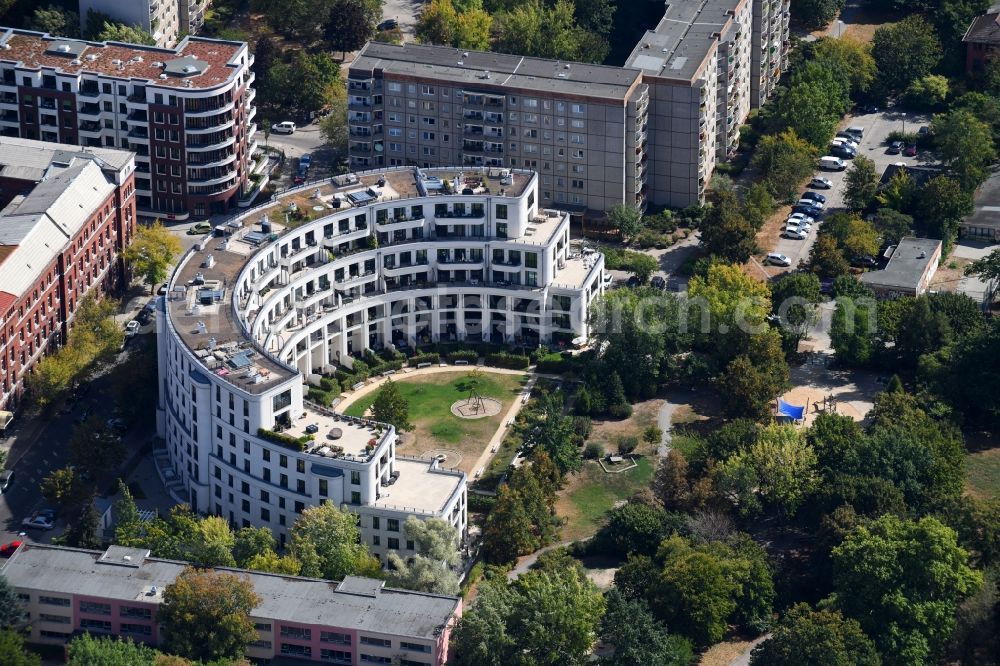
(355, 622)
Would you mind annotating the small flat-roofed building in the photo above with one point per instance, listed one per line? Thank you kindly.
(909, 271)
(984, 223)
(118, 592)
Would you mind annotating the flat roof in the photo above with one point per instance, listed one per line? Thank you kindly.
(906, 265)
(986, 214)
(683, 39)
(212, 58)
(485, 70)
(129, 574)
(420, 487)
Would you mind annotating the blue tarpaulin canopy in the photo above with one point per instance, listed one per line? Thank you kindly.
(794, 412)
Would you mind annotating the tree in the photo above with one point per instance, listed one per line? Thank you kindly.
(436, 24)
(333, 535)
(754, 379)
(637, 637)
(737, 304)
(902, 580)
(643, 266)
(849, 58)
(13, 615)
(812, 104)
(899, 193)
(780, 466)
(95, 448)
(793, 299)
(986, 268)
(63, 487)
(965, 145)
(206, 615)
(391, 407)
(472, 29)
(816, 14)
(56, 21)
(892, 225)
(819, 637)
(670, 484)
(927, 92)
(784, 160)
(904, 51)
(333, 127)
(126, 516)
(87, 650)
(214, 544)
(249, 542)
(633, 528)
(153, 248)
(543, 617)
(725, 232)
(862, 183)
(852, 331)
(119, 32)
(13, 652)
(273, 563)
(83, 532)
(826, 258)
(349, 26)
(626, 219)
(546, 30)
(523, 518)
(431, 570)
(941, 206)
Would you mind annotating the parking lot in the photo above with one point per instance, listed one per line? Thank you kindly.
(877, 128)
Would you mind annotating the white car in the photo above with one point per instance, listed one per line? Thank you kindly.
(777, 259)
(794, 233)
(845, 142)
(800, 218)
(792, 228)
(39, 521)
(821, 183)
(131, 328)
(809, 202)
(286, 127)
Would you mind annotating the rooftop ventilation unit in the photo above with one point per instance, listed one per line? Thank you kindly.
(163, 76)
(91, 57)
(116, 61)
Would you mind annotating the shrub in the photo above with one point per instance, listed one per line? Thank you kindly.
(509, 361)
(582, 426)
(620, 411)
(905, 137)
(627, 444)
(481, 503)
(297, 443)
(593, 451)
(429, 357)
(554, 364)
(463, 355)
(329, 384)
(319, 396)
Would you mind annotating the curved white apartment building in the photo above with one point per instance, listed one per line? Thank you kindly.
(287, 291)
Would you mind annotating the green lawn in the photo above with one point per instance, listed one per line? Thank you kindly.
(593, 492)
(983, 473)
(430, 399)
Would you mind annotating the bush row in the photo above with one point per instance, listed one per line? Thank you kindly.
(297, 443)
(507, 360)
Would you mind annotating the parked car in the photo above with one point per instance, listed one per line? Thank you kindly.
(658, 282)
(143, 316)
(285, 127)
(199, 228)
(845, 141)
(800, 218)
(853, 138)
(38, 521)
(910, 150)
(794, 233)
(864, 262)
(777, 259)
(798, 224)
(924, 130)
(8, 549)
(633, 281)
(388, 24)
(868, 108)
(813, 196)
(131, 328)
(895, 148)
(831, 163)
(305, 161)
(797, 229)
(843, 151)
(856, 131)
(6, 477)
(806, 209)
(821, 183)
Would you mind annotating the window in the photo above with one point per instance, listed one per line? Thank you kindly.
(393, 524)
(57, 619)
(379, 642)
(95, 608)
(133, 612)
(355, 497)
(324, 488)
(335, 637)
(102, 626)
(501, 211)
(300, 466)
(335, 656)
(373, 659)
(136, 629)
(262, 626)
(296, 650)
(394, 543)
(355, 478)
(375, 523)
(53, 601)
(414, 647)
(283, 460)
(298, 633)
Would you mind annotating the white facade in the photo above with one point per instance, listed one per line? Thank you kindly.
(251, 317)
(160, 18)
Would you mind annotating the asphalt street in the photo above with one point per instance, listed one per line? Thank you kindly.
(877, 128)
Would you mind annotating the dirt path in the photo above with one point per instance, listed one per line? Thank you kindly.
(664, 421)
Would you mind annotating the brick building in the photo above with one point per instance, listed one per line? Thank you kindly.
(65, 214)
(187, 112)
(982, 40)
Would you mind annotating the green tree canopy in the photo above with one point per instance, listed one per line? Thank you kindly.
(902, 580)
(13, 615)
(784, 160)
(87, 650)
(965, 145)
(726, 232)
(119, 32)
(816, 637)
(391, 407)
(862, 182)
(13, 652)
(904, 51)
(206, 615)
(153, 248)
(892, 225)
(637, 637)
(327, 542)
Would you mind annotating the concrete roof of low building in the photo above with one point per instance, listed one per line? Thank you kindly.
(906, 265)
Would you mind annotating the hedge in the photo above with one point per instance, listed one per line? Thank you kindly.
(463, 355)
(297, 443)
(319, 396)
(430, 357)
(510, 361)
(329, 384)
(481, 503)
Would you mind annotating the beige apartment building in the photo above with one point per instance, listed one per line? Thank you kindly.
(650, 132)
(581, 127)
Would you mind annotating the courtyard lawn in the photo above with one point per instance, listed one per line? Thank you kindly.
(592, 492)
(982, 470)
(435, 428)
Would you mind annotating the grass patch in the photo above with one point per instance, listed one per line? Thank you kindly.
(982, 471)
(430, 399)
(685, 441)
(593, 492)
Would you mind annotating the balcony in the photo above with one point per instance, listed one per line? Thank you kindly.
(197, 111)
(359, 105)
(216, 180)
(199, 146)
(90, 126)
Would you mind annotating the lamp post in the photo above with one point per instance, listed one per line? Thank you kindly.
(840, 28)
(903, 116)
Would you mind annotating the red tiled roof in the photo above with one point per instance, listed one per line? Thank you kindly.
(28, 49)
(6, 300)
